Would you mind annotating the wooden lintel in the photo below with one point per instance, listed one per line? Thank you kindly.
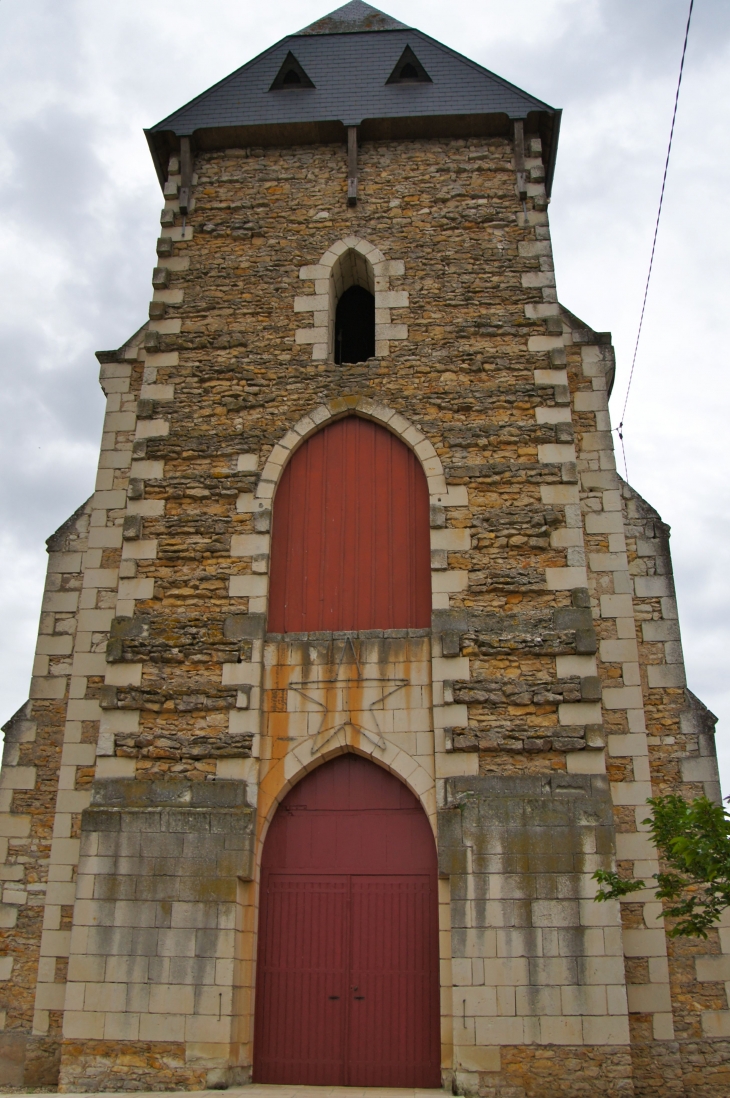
(519, 147)
(186, 173)
(352, 171)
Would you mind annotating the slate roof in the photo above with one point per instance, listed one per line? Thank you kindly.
(348, 55)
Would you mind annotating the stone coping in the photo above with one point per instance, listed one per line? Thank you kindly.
(177, 793)
(527, 785)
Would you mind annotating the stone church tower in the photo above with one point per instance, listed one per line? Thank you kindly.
(361, 658)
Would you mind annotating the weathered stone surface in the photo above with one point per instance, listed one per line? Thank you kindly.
(91, 1066)
(554, 644)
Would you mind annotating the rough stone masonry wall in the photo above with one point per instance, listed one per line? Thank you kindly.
(682, 758)
(38, 819)
(660, 739)
(225, 379)
(171, 616)
(51, 751)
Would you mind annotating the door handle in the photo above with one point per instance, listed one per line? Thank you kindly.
(359, 996)
(333, 996)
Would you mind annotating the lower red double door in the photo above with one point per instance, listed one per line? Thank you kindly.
(347, 975)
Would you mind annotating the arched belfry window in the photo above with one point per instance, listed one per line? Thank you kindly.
(353, 291)
(355, 326)
(350, 540)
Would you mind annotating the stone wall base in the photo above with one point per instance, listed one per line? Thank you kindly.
(29, 1061)
(660, 1069)
(12, 1059)
(93, 1066)
(686, 1069)
(567, 1071)
(42, 1061)
(657, 1069)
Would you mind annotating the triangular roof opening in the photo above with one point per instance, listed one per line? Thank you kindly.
(409, 70)
(291, 75)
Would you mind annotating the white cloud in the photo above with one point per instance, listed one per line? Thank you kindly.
(80, 202)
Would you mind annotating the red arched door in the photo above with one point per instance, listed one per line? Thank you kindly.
(350, 543)
(347, 987)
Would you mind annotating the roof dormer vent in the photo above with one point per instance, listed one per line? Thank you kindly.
(409, 70)
(291, 75)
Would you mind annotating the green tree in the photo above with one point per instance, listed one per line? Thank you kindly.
(693, 840)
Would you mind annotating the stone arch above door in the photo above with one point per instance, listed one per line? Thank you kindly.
(350, 534)
(445, 580)
(364, 406)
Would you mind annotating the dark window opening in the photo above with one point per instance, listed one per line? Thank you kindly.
(355, 326)
(291, 75)
(409, 70)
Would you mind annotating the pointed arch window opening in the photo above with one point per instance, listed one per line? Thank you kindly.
(352, 309)
(355, 326)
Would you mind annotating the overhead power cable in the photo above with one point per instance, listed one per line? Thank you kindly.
(619, 429)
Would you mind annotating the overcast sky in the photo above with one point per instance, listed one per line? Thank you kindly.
(79, 207)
